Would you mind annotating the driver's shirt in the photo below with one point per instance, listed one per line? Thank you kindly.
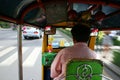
(79, 50)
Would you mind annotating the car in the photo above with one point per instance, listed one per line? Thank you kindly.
(31, 32)
(23, 28)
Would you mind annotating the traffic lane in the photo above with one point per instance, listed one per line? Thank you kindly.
(111, 74)
(9, 38)
(9, 61)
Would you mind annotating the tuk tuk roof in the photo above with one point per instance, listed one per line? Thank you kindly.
(40, 13)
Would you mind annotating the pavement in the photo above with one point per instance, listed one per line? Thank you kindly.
(108, 61)
(5, 29)
(112, 66)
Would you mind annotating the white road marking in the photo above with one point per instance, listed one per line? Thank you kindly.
(12, 58)
(3, 52)
(32, 57)
(1, 46)
(13, 36)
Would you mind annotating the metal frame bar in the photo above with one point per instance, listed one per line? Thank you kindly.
(20, 52)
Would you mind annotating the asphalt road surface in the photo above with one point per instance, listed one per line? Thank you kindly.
(9, 57)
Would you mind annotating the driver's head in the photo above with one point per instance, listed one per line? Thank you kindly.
(81, 33)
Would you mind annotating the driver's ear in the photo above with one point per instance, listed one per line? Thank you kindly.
(74, 40)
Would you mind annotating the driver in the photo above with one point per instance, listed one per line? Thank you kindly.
(80, 34)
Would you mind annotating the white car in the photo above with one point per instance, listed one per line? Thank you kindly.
(31, 32)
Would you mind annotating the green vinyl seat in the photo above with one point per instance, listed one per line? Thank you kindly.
(84, 69)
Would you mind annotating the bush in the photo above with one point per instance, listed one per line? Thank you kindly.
(65, 31)
(99, 38)
(116, 42)
(116, 58)
(4, 24)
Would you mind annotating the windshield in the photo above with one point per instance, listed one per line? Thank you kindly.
(61, 38)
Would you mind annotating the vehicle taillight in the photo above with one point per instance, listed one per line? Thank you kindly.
(24, 32)
(24, 28)
(35, 32)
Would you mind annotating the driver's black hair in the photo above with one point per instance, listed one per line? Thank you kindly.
(81, 33)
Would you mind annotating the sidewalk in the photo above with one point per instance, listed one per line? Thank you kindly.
(102, 47)
(4, 29)
(109, 65)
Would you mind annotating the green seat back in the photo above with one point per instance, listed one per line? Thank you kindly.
(47, 58)
(84, 70)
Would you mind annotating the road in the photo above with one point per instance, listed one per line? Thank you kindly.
(9, 57)
(31, 58)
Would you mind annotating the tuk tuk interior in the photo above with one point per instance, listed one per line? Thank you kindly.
(98, 14)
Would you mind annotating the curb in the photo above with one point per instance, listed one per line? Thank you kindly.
(2, 29)
(112, 67)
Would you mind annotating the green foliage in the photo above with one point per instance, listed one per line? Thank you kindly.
(66, 31)
(116, 42)
(4, 24)
(98, 41)
(101, 35)
(116, 58)
(99, 38)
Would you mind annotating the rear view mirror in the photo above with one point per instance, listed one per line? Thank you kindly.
(50, 30)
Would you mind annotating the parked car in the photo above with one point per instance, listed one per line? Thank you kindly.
(31, 32)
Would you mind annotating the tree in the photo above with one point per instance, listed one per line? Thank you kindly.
(4, 24)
